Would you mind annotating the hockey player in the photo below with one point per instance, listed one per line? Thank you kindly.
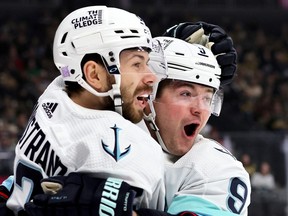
(201, 176)
(103, 55)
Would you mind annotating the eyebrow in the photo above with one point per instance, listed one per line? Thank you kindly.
(179, 84)
(139, 56)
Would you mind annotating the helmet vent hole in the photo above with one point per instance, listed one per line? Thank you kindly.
(119, 31)
(182, 54)
(64, 53)
(64, 37)
(133, 31)
(72, 71)
(210, 80)
(129, 36)
(197, 76)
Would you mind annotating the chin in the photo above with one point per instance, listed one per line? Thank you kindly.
(134, 116)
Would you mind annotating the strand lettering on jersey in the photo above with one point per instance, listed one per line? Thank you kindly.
(37, 148)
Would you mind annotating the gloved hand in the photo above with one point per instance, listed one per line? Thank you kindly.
(213, 37)
(79, 194)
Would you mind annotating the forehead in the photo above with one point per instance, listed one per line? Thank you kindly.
(174, 84)
(132, 53)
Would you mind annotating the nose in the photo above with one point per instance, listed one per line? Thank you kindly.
(197, 105)
(149, 76)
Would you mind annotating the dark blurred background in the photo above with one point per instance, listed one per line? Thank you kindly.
(254, 118)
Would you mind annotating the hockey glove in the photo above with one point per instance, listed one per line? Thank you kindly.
(79, 194)
(213, 37)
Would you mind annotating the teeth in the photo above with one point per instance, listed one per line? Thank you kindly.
(144, 97)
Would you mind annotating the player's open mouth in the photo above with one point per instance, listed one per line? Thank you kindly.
(190, 129)
(143, 100)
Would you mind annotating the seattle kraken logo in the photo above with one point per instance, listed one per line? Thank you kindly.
(116, 153)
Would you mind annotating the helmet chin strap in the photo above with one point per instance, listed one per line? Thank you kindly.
(117, 94)
(150, 119)
(114, 93)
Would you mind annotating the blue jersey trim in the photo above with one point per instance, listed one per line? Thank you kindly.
(197, 205)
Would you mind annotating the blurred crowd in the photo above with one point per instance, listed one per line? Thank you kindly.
(256, 100)
(259, 92)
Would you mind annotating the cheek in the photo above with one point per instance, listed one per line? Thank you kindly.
(205, 117)
(167, 114)
(129, 81)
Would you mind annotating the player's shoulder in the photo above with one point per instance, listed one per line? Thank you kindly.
(210, 157)
(212, 148)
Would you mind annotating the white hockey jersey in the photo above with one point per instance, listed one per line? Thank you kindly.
(63, 137)
(207, 180)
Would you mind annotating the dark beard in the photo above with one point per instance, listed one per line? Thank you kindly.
(130, 114)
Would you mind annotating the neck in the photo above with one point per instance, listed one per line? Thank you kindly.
(90, 101)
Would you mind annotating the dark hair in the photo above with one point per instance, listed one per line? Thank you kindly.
(74, 87)
(162, 86)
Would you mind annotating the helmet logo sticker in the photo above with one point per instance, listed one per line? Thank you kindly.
(202, 52)
(166, 43)
(205, 64)
(94, 17)
(65, 71)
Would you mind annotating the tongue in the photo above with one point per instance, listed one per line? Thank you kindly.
(142, 98)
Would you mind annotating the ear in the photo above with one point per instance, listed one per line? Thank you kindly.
(93, 74)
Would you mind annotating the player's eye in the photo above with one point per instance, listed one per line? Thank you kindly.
(207, 100)
(186, 94)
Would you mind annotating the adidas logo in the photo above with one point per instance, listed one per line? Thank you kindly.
(49, 108)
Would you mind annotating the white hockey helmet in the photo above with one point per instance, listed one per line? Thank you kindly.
(191, 62)
(97, 29)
